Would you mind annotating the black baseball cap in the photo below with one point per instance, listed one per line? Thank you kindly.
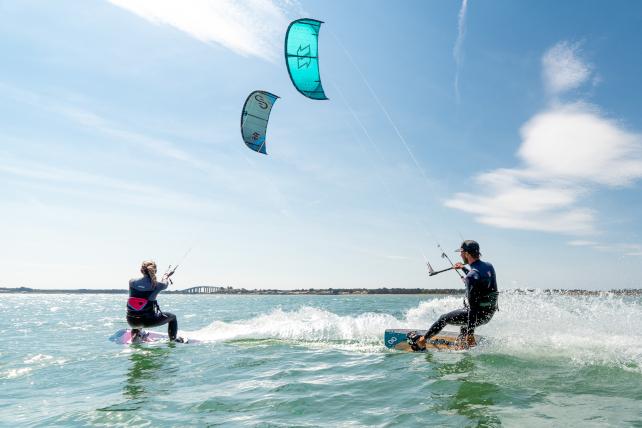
(468, 246)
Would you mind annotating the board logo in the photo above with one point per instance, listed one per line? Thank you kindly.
(392, 340)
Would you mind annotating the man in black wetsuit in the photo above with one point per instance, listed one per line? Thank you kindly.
(142, 308)
(481, 294)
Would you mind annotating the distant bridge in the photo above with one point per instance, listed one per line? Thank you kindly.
(203, 290)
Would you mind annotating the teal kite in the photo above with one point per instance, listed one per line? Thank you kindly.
(254, 119)
(302, 57)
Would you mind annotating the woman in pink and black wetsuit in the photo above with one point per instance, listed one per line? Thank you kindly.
(142, 308)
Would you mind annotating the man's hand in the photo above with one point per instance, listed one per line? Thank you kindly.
(459, 265)
(421, 342)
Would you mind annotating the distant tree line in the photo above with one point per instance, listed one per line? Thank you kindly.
(333, 291)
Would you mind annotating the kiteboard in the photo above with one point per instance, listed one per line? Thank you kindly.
(124, 337)
(444, 341)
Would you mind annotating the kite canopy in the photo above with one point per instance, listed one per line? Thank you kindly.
(254, 119)
(302, 57)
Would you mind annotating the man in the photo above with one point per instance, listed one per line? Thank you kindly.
(142, 308)
(481, 294)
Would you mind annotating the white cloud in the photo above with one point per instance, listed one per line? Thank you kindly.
(563, 69)
(247, 27)
(567, 151)
(575, 142)
(499, 210)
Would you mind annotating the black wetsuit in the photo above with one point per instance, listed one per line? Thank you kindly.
(481, 293)
(143, 310)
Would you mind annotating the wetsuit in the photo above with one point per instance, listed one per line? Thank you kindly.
(142, 307)
(481, 293)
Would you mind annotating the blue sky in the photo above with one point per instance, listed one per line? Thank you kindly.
(513, 123)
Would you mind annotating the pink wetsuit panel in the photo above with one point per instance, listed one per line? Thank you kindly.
(136, 303)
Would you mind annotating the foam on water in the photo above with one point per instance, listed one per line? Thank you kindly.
(603, 329)
(307, 323)
(15, 373)
(37, 358)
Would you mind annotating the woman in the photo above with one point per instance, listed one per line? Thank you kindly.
(142, 308)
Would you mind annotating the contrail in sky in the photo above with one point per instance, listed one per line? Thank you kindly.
(461, 32)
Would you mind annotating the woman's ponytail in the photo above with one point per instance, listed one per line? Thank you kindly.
(148, 268)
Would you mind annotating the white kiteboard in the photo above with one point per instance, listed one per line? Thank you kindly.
(124, 337)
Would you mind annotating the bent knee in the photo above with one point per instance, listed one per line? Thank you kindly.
(444, 319)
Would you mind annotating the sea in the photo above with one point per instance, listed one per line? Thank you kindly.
(320, 361)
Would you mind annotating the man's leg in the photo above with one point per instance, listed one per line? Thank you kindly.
(475, 319)
(478, 318)
(468, 329)
(456, 317)
(465, 331)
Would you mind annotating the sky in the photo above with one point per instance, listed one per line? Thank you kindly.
(516, 124)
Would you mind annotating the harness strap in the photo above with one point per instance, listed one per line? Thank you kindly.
(489, 300)
(136, 303)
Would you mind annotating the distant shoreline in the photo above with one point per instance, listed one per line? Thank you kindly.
(321, 292)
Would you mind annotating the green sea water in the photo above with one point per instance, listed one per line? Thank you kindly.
(273, 361)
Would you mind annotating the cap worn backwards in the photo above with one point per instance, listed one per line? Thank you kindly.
(468, 246)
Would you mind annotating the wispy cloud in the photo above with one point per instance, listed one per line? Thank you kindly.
(563, 69)
(95, 186)
(630, 250)
(567, 151)
(581, 243)
(154, 145)
(88, 119)
(457, 50)
(151, 147)
(247, 27)
(394, 257)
